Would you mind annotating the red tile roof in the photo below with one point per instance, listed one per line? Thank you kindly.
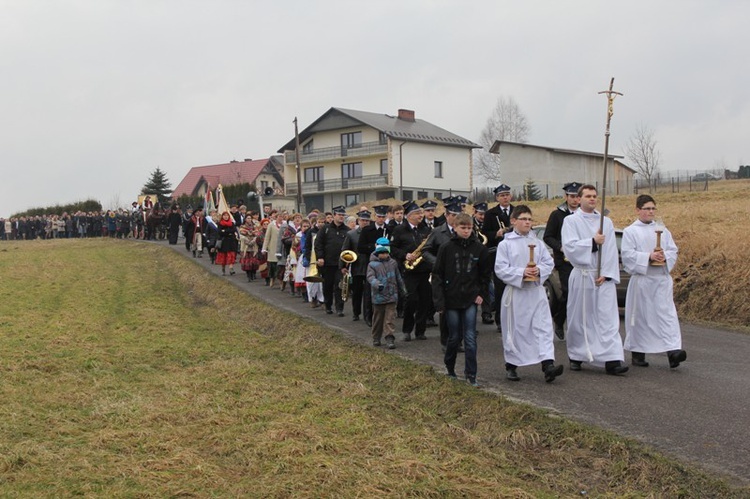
(235, 172)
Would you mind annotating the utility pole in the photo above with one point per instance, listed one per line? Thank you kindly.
(300, 202)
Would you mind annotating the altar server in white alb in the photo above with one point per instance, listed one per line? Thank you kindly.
(651, 323)
(525, 316)
(593, 318)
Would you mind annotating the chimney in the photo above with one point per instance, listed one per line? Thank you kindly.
(248, 159)
(406, 115)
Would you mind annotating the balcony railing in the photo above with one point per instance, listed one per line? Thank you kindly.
(338, 184)
(325, 153)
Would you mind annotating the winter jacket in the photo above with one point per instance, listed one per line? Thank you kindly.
(384, 273)
(461, 272)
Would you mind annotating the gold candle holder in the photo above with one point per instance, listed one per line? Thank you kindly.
(658, 247)
(531, 265)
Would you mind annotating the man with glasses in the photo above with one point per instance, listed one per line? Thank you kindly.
(651, 324)
(553, 238)
(593, 318)
(526, 318)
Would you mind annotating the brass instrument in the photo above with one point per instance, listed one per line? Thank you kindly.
(348, 257)
(313, 273)
(417, 253)
(482, 238)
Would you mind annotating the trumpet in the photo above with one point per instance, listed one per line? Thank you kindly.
(348, 257)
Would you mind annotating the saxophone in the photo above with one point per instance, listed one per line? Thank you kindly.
(417, 254)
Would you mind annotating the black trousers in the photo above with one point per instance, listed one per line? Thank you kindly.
(367, 301)
(331, 290)
(357, 291)
(417, 302)
(499, 289)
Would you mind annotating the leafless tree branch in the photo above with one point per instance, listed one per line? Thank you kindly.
(506, 122)
(644, 155)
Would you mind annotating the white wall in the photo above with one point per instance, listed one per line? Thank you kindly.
(418, 166)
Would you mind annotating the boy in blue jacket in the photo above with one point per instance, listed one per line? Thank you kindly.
(386, 283)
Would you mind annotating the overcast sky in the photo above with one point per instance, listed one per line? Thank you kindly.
(95, 94)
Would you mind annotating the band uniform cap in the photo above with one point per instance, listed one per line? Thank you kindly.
(454, 208)
(429, 205)
(501, 189)
(381, 210)
(572, 187)
(480, 207)
(339, 210)
(383, 241)
(449, 200)
(364, 215)
(410, 207)
(462, 199)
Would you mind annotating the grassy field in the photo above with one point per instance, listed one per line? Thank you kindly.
(128, 371)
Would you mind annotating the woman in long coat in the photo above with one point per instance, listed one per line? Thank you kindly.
(226, 247)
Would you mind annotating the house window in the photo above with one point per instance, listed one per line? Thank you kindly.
(352, 199)
(308, 148)
(263, 185)
(438, 195)
(408, 195)
(351, 140)
(314, 174)
(351, 170)
(384, 167)
(383, 138)
(421, 194)
(438, 169)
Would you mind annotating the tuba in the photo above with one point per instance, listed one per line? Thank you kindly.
(348, 257)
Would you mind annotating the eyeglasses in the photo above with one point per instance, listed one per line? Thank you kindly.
(524, 219)
(649, 209)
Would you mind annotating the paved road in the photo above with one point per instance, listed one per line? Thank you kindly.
(699, 412)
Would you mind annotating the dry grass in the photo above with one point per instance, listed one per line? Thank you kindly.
(130, 372)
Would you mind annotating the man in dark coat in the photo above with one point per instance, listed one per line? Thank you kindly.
(496, 224)
(328, 245)
(553, 238)
(357, 269)
(406, 239)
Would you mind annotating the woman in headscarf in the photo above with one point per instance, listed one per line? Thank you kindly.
(226, 244)
(249, 249)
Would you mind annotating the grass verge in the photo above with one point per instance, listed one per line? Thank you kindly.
(130, 372)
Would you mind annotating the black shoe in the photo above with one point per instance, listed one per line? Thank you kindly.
(552, 372)
(376, 343)
(329, 311)
(675, 357)
(639, 359)
(487, 319)
(431, 323)
(407, 336)
(368, 322)
(451, 374)
(420, 337)
(472, 381)
(355, 318)
(616, 368)
(340, 314)
(560, 331)
(390, 342)
(575, 365)
(512, 375)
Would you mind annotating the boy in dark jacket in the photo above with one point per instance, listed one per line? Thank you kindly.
(386, 284)
(460, 278)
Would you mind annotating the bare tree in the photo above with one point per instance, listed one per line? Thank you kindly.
(506, 122)
(642, 151)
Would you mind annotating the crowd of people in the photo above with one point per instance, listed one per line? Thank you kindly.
(405, 262)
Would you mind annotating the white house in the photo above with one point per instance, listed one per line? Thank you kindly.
(351, 157)
(550, 167)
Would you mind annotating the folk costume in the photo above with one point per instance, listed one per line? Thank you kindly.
(593, 318)
(226, 251)
(526, 319)
(651, 323)
(249, 249)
